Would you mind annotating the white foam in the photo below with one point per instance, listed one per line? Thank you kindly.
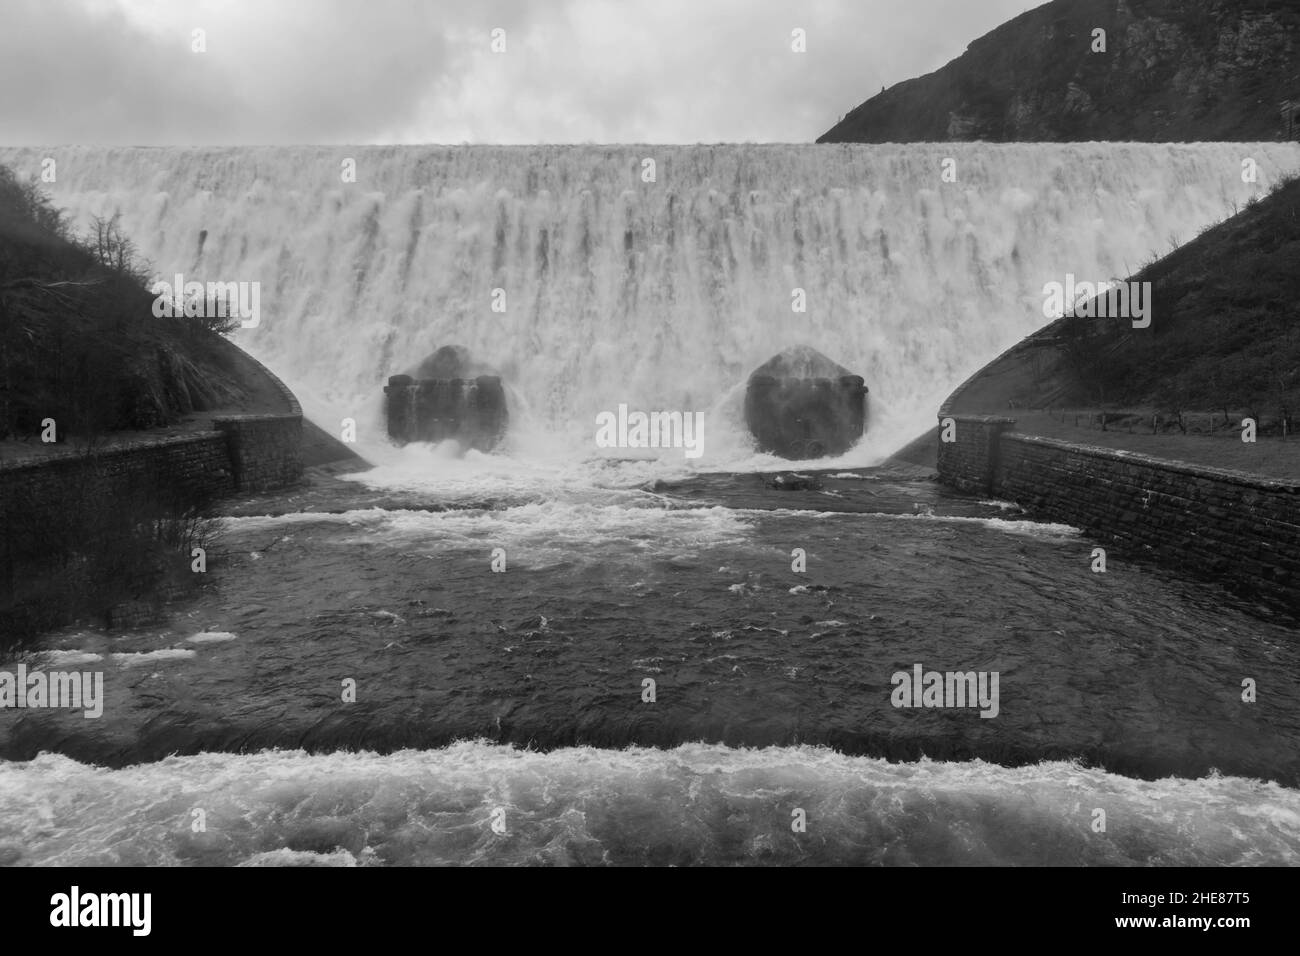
(68, 658)
(285, 857)
(211, 637)
(1001, 505)
(1045, 530)
(154, 657)
(592, 805)
(542, 532)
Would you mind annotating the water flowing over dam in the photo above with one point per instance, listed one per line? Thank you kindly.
(660, 294)
(522, 693)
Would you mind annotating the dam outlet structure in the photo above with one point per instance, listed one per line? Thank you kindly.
(472, 411)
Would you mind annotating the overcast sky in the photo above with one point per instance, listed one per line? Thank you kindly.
(423, 71)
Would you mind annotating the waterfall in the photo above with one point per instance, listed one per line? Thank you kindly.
(660, 294)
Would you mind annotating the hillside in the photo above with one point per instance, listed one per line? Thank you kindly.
(84, 359)
(1173, 71)
(1223, 344)
(79, 342)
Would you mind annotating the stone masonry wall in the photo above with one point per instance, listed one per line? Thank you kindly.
(196, 465)
(265, 451)
(970, 462)
(1241, 530)
(243, 453)
(247, 453)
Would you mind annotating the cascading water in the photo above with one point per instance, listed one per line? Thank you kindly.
(660, 294)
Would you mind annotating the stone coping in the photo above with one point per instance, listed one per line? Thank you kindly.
(73, 455)
(1164, 464)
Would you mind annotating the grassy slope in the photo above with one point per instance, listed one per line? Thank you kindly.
(1224, 343)
(79, 343)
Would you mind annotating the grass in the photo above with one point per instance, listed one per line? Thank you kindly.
(1272, 457)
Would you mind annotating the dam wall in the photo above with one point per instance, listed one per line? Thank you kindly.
(585, 286)
(1238, 529)
(265, 451)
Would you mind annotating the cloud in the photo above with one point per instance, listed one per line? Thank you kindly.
(335, 71)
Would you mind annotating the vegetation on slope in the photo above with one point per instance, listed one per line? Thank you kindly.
(1225, 328)
(81, 347)
(79, 343)
(1223, 345)
(1172, 71)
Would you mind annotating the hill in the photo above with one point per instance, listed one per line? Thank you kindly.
(1223, 344)
(79, 341)
(1172, 71)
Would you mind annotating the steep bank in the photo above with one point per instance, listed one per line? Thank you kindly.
(1223, 341)
(82, 355)
(1172, 72)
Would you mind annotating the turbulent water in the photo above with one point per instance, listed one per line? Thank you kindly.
(664, 294)
(689, 805)
(499, 716)
(517, 693)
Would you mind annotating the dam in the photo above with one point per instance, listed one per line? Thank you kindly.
(584, 287)
(446, 399)
(502, 610)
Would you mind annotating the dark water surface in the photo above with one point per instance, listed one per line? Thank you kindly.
(1134, 670)
(499, 716)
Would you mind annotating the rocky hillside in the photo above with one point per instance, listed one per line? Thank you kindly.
(1172, 71)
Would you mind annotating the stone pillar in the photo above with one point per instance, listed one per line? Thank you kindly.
(265, 450)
